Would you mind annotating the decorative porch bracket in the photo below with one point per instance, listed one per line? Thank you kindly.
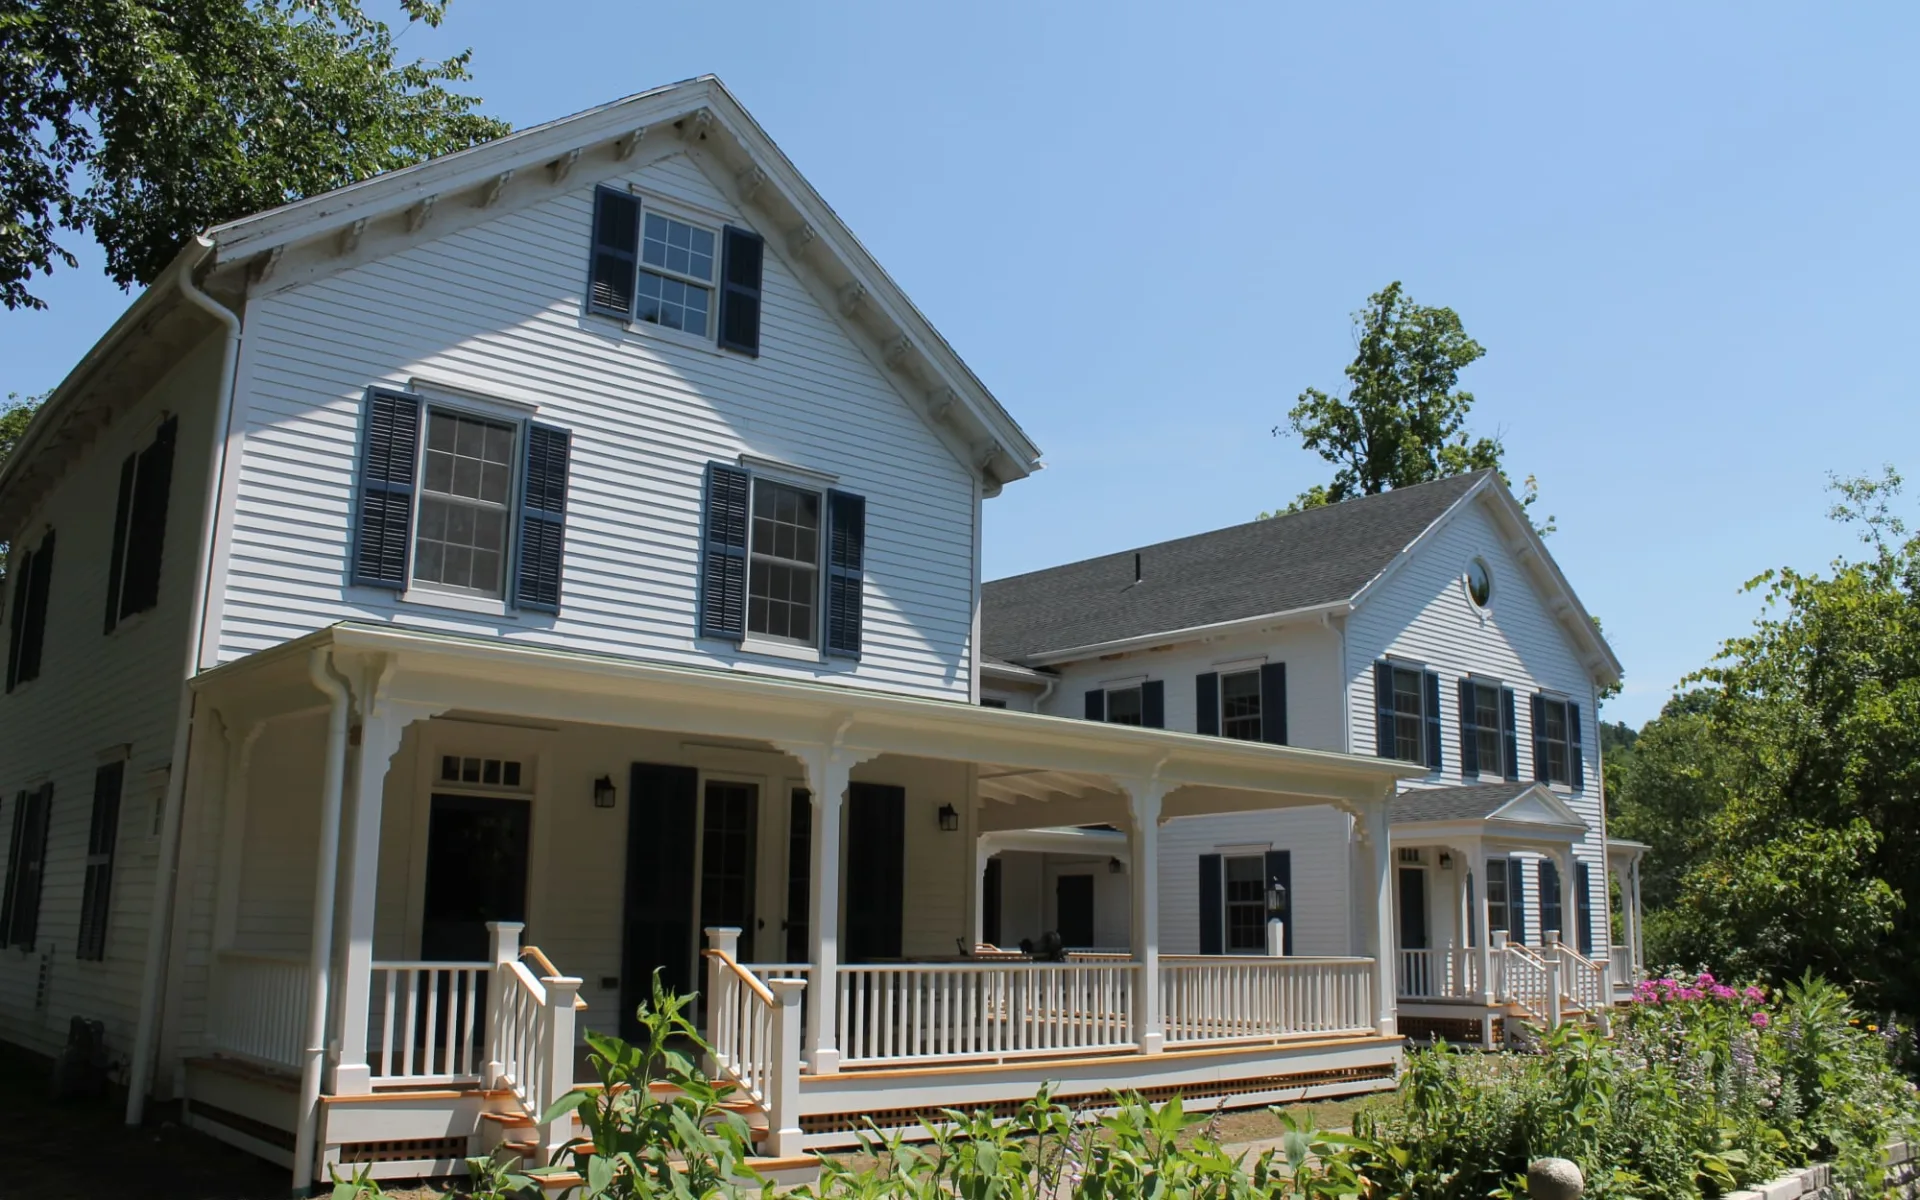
(1145, 798)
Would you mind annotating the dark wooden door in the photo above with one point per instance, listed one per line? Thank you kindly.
(1073, 910)
(728, 837)
(875, 870)
(658, 933)
(990, 902)
(1413, 908)
(476, 872)
(799, 872)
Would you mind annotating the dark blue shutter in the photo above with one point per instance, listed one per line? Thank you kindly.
(1511, 731)
(1583, 905)
(1273, 704)
(1153, 704)
(723, 558)
(1578, 759)
(147, 529)
(22, 580)
(1383, 710)
(24, 884)
(541, 553)
(383, 515)
(1213, 901)
(740, 261)
(96, 903)
(1206, 703)
(1552, 913)
(616, 252)
(1539, 714)
(1096, 704)
(122, 513)
(1469, 743)
(1517, 900)
(34, 637)
(16, 852)
(1436, 755)
(846, 572)
(1280, 871)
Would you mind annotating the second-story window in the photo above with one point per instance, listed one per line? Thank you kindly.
(32, 581)
(1489, 747)
(783, 580)
(466, 491)
(1124, 706)
(140, 527)
(1556, 742)
(1143, 703)
(1407, 714)
(676, 274)
(1240, 705)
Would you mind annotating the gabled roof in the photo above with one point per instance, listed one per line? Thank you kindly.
(1499, 809)
(1284, 564)
(1323, 560)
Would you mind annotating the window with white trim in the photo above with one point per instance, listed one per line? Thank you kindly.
(1125, 706)
(1557, 738)
(1245, 881)
(1240, 706)
(1488, 734)
(783, 555)
(676, 274)
(1496, 883)
(1409, 715)
(466, 504)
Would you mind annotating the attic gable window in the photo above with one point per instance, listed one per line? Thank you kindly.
(650, 266)
(676, 274)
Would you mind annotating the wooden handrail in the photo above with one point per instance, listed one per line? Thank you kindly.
(759, 989)
(549, 971)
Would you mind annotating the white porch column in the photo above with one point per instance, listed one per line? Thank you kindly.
(1143, 805)
(982, 855)
(1377, 828)
(1483, 932)
(827, 770)
(1572, 904)
(1638, 943)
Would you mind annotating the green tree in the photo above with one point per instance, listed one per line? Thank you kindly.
(1402, 419)
(14, 419)
(144, 123)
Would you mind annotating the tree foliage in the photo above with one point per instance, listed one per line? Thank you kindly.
(145, 123)
(1403, 417)
(1783, 797)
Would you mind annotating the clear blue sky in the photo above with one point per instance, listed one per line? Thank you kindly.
(1685, 234)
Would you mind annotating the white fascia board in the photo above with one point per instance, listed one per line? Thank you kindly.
(1399, 561)
(1070, 840)
(1193, 633)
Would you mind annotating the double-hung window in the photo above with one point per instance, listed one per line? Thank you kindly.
(1143, 703)
(781, 562)
(31, 581)
(140, 527)
(1240, 892)
(1240, 705)
(1407, 714)
(1123, 706)
(676, 274)
(1497, 919)
(458, 502)
(1506, 898)
(1557, 756)
(1489, 748)
(26, 868)
(783, 581)
(666, 268)
(96, 902)
(1246, 903)
(1247, 704)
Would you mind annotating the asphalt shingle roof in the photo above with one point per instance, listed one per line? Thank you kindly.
(1470, 803)
(1272, 566)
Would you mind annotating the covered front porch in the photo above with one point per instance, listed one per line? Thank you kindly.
(400, 818)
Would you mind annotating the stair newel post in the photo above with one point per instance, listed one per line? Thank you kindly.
(1497, 962)
(505, 938)
(1556, 970)
(561, 993)
(722, 941)
(1603, 1014)
(783, 1089)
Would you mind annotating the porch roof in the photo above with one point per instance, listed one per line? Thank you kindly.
(1516, 812)
(1058, 769)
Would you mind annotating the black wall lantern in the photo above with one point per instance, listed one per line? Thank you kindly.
(603, 792)
(949, 819)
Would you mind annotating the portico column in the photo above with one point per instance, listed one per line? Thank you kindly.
(1378, 829)
(1143, 806)
(1571, 902)
(827, 769)
(1483, 936)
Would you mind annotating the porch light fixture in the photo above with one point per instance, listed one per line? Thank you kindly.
(603, 792)
(949, 819)
(1446, 861)
(1114, 866)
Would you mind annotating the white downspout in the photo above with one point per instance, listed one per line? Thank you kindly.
(160, 913)
(313, 1049)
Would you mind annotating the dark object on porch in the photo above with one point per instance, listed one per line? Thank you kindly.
(1052, 947)
(80, 1073)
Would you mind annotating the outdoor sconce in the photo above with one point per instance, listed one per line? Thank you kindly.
(1114, 866)
(603, 793)
(949, 819)
(1276, 897)
(1446, 861)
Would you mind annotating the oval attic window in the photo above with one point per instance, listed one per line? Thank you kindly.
(1479, 582)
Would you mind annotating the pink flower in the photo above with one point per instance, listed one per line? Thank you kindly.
(1755, 995)
(1722, 992)
(1705, 979)
(1761, 1020)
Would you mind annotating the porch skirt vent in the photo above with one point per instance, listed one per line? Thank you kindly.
(440, 1149)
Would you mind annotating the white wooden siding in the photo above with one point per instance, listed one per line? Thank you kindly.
(1321, 892)
(502, 303)
(98, 691)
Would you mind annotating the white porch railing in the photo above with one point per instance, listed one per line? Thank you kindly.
(259, 1008)
(1445, 974)
(428, 1022)
(894, 1013)
(1211, 998)
(753, 1029)
(1585, 982)
(1525, 979)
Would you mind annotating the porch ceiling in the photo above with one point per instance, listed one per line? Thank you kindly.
(1032, 769)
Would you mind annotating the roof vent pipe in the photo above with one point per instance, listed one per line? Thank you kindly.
(1136, 566)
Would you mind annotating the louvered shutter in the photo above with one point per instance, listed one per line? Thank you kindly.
(1280, 871)
(1517, 900)
(1584, 906)
(1436, 755)
(1577, 759)
(383, 516)
(540, 555)
(24, 923)
(1510, 730)
(1469, 742)
(723, 563)
(33, 638)
(616, 252)
(122, 514)
(1153, 704)
(1213, 911)
(16, 851)
(1273, 703)
(96, 903)
(1383, 710)
(147, 529)
(846, 572)
(1206, 703)
(741, 259)
(22, 580)
(1096, 704)
(1539, 714)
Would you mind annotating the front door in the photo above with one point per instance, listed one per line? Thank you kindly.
(1413, 908)
(729, 821)
(476, 872)
(657, 932)
(1073, 910)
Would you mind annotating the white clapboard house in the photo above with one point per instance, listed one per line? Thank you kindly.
(573, 543)
(1426, 626)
